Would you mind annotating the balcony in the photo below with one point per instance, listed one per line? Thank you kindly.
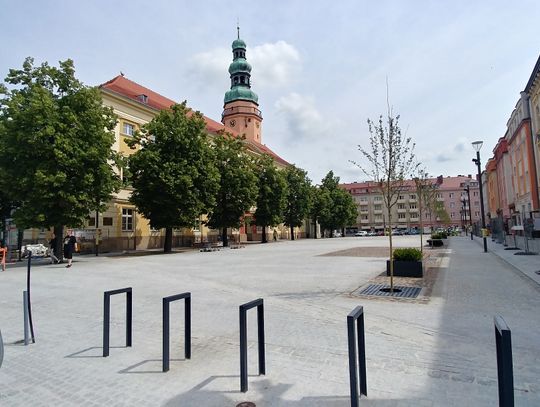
(414, 219)
(401, 200)
(413, 210)
(365, 221)
(413, 200)
(401, 210)
(377, 211)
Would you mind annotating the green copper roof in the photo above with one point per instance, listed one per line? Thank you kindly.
(238, 43)
(241, 93)
(239, 65)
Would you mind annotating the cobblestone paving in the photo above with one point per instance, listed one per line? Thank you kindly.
(437, 353)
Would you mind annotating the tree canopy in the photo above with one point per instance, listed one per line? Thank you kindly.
(298, 197)
(272, 195)
(238, 184)
(173, 173)
(336, 206)
(55, 146)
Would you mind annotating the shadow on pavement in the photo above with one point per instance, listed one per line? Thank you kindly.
(79, 353)
(131, 369)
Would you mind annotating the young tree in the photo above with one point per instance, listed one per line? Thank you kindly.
(272, 195)
(426, 192)
(238, 184)
(55, 146)
(389, 163)
(298, 197)
(173, 174)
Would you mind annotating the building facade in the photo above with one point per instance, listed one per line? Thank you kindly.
(372, 212)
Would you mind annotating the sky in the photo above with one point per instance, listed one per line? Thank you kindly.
(454, 69)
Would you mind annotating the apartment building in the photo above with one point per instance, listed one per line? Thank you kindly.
(372, 212)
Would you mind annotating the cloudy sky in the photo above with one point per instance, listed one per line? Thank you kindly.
(454, 68)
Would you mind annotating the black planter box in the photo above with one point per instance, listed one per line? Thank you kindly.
(405, 268)
(435, 242)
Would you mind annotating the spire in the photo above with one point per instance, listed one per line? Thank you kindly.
(240, 73)
(238, 28)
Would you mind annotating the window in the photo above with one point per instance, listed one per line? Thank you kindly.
(107, 221)
(364, 217)
(412, 196)
(127, 219)
(475, 193)
(477, 214)
(124, 175)
(128, 129)
(401, 216)
(452, 204)
(412, 206)
(91, 221)
(452, 215)
(439, 195)
(242, 79)
(377, 207)
(378, 198)
(401, 197)
(476, 203)
(451, 195)
(401, 206)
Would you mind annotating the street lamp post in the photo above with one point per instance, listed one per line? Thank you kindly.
(468, 190)
(477, 145)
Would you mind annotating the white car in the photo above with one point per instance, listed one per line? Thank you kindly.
(361, 233)
(38, 250)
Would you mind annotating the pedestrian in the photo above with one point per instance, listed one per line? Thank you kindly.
(69, 247)
(53, 254)
(275, 235)
(3, 253)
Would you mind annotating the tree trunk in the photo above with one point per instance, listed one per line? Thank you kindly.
(391, 253)
(224, 237)
(292, 232)
(167, 248)
(59, 233)
(264, 235)
(421, 228)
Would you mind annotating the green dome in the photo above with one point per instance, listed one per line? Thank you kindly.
(241, 93)
(238, 44)
(239, 65)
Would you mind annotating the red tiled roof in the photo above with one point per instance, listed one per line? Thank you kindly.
(132, 90)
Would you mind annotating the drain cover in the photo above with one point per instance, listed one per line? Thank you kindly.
(246, 404)
(383, 290)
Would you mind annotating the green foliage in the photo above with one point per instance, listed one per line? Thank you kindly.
(337, 208)
(173, 174)
(407, 254)
(439, 235)
(272, 195)
(298, 196)
(238, 183)
(55, 146)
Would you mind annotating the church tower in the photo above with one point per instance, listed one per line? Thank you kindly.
(241, 108)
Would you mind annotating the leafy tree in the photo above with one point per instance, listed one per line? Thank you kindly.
(340, 210)
(238, 184)
(173, 174)
(390, 162)
(320, 206)
(55, 146)
(272, 195)
(426, 193)
(298, 197)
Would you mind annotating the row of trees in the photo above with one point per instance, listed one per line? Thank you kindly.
(58, 165)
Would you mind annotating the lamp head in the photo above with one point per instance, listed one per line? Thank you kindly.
(477, 145)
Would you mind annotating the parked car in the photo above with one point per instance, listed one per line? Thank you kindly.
(361, 233)
(336, 234)
(38, 250)
(372, 233)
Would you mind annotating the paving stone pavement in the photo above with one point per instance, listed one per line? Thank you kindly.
(439, 353)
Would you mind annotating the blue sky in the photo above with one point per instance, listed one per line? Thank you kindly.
(455, 69)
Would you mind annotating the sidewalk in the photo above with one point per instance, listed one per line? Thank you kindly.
(438, 353)
(528, 265)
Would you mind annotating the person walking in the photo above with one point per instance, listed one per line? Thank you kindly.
(3, 254)
(69, 247)
(53, 254)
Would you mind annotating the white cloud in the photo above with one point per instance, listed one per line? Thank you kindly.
(274, 64)
(302, 118)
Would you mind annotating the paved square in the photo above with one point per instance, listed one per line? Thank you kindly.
(418, 354)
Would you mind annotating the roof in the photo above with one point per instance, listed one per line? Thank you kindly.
(122, 86)
(448, 183)
(534, 75)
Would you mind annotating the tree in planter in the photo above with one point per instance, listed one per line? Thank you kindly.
(173, 174)
(341, 211)
(237, 187)
(298, 197)
(55, 147)
(390, 162)
(426, 193)
(272, 195)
